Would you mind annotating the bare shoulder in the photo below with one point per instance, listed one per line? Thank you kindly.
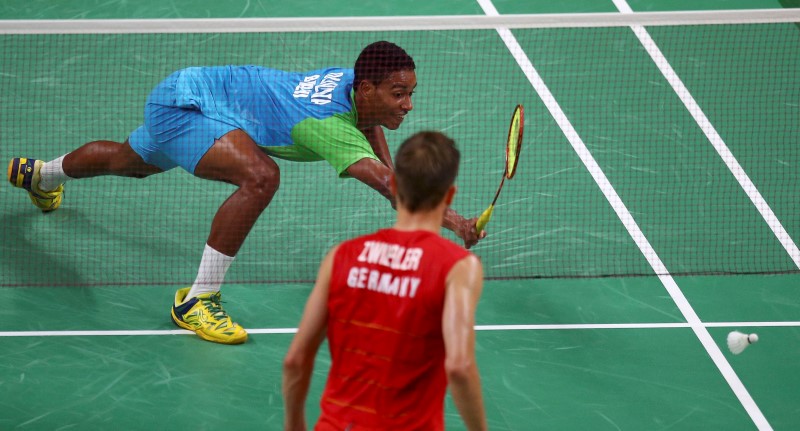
(470, 261)
(468, 269)
(327, 261)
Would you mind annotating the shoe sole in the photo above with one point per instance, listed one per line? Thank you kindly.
(8, 175)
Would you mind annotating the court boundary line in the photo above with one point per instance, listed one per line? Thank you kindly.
(745, 183)
(713, 136)
(628, 221)
(485, 328)
(393, 23)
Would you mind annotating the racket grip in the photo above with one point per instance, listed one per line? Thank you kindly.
(484, 219)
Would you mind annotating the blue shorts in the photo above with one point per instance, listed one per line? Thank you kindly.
(174, 136)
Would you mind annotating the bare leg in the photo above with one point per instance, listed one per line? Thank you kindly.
(106, 158)
(236, 159)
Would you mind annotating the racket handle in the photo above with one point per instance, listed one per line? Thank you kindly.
(484, 219)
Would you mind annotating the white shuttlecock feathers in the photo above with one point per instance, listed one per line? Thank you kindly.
(738, 341)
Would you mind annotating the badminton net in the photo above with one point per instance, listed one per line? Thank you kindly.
(713, 196)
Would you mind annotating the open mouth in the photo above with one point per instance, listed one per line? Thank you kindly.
(395, 120)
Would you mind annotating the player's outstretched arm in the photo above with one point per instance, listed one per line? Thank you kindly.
(464, 228)
(377, 140)
(377, 175)
(299, 361)
(464, 286)
(374, 174)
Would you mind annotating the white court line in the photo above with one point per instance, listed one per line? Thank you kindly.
(627, 220)
(536, 327)
(746, 324)
(123, 333)
(573, 326)
(716, 140)
(747, 185)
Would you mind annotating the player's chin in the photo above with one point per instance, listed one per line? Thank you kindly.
(394, 123)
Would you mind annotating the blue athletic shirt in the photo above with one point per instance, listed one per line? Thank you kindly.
(306, 116)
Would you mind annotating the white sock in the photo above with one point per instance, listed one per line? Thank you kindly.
(53, 175)
(212, 271)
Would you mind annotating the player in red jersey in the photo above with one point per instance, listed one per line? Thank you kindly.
(398, 308)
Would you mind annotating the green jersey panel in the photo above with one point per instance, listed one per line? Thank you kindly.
(335, 139)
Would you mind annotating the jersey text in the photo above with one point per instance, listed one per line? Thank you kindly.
(392, 256)
(387, 283)
(324, 91)
(305, 86)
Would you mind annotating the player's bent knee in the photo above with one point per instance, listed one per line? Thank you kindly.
(263, 182)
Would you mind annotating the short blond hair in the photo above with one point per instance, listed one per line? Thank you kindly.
(426, 165)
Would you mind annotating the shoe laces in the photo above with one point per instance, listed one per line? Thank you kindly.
(214, 306)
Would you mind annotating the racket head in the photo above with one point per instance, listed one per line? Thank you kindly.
(514, 143)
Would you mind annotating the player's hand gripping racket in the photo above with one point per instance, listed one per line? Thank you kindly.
(513, 146)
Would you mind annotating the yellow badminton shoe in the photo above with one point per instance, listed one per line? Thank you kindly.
(204, 316)
(25, 174)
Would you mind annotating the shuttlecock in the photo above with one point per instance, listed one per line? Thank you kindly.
(737, 341)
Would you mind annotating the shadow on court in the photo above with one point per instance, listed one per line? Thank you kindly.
(33, 256)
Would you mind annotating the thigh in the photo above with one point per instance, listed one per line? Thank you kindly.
(183, 136)
(143, 144)
(235, 158)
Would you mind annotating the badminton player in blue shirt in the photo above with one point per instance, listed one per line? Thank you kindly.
(226, 124)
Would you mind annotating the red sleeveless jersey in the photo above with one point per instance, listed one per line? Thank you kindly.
(385, 332)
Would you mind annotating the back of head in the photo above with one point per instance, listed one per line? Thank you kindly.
(426, 166)
(380, 59)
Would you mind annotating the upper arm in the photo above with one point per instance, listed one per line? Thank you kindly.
(463, 290)
(377, 140)
(311, 330)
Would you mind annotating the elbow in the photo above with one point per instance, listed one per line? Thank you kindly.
(459, 371)
(293, 363)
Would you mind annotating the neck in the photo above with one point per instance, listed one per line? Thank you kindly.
(364, 113)
(430, 220)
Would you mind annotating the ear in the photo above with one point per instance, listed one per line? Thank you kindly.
(451, 193)
(365, 88)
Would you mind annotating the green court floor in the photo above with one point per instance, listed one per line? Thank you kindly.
(576, 331)
(586, 357)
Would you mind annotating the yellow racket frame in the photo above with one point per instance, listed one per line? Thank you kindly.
(513, 147)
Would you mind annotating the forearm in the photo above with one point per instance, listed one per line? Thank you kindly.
(374, 174)
(295, 390)
(464, 286)
(298, 365)
(466, 392)
(377, 175)
(465, 229)
(453, 221)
